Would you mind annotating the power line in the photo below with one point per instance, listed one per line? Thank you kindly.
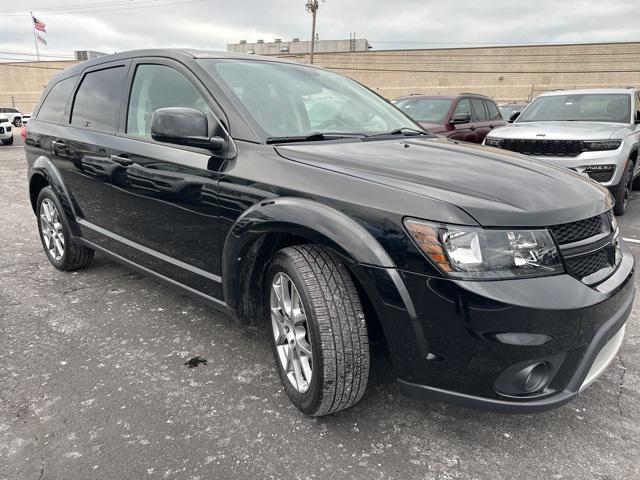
(100, 10)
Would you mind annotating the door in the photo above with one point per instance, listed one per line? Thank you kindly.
(462, 131)
(80, 147)
(480, 119)
(166, 195)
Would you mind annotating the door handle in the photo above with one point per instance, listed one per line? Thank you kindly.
(491, 126)
(58, 144)
(472, 127)
(122, 160)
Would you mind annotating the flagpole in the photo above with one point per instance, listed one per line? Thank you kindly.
(35, 38)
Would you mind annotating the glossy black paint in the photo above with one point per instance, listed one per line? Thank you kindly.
(208, 221)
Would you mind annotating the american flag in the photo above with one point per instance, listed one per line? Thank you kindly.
(40, 26)
(41, 40)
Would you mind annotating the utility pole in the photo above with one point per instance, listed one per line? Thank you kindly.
(312, 7)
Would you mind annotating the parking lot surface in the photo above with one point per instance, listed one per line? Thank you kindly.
(93, 385)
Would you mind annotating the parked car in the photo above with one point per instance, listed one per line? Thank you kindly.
(594, 132)
(6, 135)
(467, 117)
(13, 114)
(495, 281)
(507, 110)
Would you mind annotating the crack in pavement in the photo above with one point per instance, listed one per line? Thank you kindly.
(620, 384)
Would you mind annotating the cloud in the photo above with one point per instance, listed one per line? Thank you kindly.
(212, 24)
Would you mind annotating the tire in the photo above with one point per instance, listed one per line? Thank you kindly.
(334, 330)
(17, 122)
(8, 141)
(64, 254)
(622, 191)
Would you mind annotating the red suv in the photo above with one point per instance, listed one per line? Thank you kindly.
(467, 116)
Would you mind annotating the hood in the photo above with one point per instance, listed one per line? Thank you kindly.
(558, 130)
(495, 187)
(432, 127)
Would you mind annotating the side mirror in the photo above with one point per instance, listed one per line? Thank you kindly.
(184, 126)
(461, 118)
(513, 116)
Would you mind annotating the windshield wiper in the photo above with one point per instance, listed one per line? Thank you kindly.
(406, 131)
(313, 137)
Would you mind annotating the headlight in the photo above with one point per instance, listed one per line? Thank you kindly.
(598, 145)
(477, 253)
(493, 142)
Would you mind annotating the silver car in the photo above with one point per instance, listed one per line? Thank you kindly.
(594, 132)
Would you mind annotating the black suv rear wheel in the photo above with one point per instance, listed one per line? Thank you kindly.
(318, 330)
(62, 251)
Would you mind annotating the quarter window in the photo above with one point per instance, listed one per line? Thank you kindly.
(98, 99)
(159, 86)
(479, 114)
(52, 109)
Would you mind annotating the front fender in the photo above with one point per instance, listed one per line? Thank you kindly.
(247, 245)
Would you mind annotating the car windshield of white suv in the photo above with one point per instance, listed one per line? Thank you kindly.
(430, 110)
(600, 107)
(288, 100)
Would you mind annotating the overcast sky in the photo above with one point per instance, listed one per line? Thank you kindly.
(211, 24)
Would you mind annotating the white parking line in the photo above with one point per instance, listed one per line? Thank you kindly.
(631, 240)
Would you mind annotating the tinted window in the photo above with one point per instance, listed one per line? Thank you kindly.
(492, 110)
(159, 86)
(479, 114)
(98, 99)
(52, 109)
(432, 110)
(592, 107)
(463, 108)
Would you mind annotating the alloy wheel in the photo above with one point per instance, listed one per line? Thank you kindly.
(291, 332)
(627, 188)
(52, 230)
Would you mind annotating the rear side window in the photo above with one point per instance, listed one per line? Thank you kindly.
(97, 101)
(479, 114)
(52, 109)
(492, 110)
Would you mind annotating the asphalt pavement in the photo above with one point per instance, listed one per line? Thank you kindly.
(95, 384)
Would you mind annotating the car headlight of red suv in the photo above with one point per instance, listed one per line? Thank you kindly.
(486, 254)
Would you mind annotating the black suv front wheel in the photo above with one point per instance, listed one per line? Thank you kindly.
(318, 330)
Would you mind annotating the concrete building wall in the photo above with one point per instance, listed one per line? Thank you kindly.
(22, 83)
(504, 73)
(299, 47)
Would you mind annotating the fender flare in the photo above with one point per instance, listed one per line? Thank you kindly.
(244, 245)
(45, 168)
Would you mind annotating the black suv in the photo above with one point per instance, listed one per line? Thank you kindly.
(292, 195)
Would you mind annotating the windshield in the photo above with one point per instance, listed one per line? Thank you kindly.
(507, 111)
(606, 107)
(432, 110)
(288, 100)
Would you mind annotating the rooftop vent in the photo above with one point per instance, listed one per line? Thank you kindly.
(296, 39)
(278, 40)
(243, 42)
(260, 41)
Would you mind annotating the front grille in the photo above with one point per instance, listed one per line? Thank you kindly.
(580, 230)
(1, 129)
(546, 148)
(601, 175)
(585, 265)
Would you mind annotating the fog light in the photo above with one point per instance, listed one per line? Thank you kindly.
(512, 338)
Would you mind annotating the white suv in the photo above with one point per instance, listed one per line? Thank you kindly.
(13, 114)
(594, 132)
(6, 135)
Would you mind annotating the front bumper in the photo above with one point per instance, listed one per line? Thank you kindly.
(446, 348)
(592, 161)
(6, 132)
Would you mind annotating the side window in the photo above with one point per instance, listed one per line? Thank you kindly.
(492, 110)
(479, 113)
(637, 112)
(98, 99)
(463, 108)
(52, 109)
(159, 86)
